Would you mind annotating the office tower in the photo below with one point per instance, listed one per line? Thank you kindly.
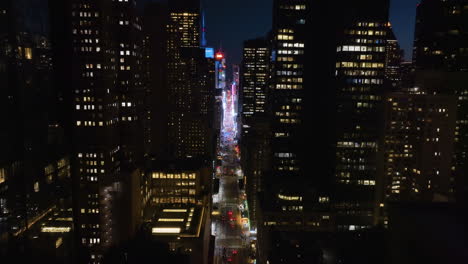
(235, 74)
(95, 117)
(220, 65)
(418, 147)
(407, 74)
(182, 182)
(284, 197)
(235, 90)
(180, 214)
(440, 35)
(129, 82)
(220, 85)
(360, 76)
(394, 56)
(255, 74)
(105, 92)
(181, 72)
(218, 102)
(236, 82)
(155, 21)
(189, 84)
(34, 167)
(441, 64)
(180, 84)
(252, 104)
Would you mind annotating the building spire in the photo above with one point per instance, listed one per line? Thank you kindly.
(203, 37)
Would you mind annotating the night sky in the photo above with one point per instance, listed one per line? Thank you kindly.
(230, 22)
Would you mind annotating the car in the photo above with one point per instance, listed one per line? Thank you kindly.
(230, 214)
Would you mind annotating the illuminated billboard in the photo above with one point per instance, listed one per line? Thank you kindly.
(209, 53)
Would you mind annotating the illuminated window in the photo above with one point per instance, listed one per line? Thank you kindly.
(2, 175)
(28, 53)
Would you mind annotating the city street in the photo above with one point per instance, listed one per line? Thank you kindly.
(232, 234)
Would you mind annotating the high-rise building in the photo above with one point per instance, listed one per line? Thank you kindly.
(440, 36)
(155, 21)
(129, 81)
(254, 83)
(417, 147)
(190, 78)
(393, 61)
(441, 63)
(360, 75)
(407, 74)
(182, 182)
(294, 190)
(254, 125)
(106, 97)
(283, 196)
(220, 85)
(220, 65)
(236, 74)
(34, 165)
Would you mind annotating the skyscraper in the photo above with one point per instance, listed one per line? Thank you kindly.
(441, 64)
(440, 35)
(155, 20)
(360, 75)
(129, 82)
(284, 196)
(418, 147)
(294, 189)
(393, 61)
(190, 78)
(220, 65)
(105, 97)
(34, 168)
(253, 108)
(254, 84)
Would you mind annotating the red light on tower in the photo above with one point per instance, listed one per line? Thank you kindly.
(219, 56)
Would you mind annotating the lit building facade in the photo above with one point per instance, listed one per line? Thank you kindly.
(155, 20)
(220, 65)
(34, 167)
(255, 75)
(179, 211)
(285, 196)
(393, 61)
(441, 63)
(106, 124)
(407, 74)
(440, 35)
(418, 147)
(179, 186)
(254, 125)
(129, 82)
(361, 78)
(190, 79)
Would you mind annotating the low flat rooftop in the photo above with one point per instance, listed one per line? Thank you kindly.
(176, 221)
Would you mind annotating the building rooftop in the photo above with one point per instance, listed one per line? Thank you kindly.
(175, 221)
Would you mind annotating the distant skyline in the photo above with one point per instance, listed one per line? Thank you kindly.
(403, 19)
(230, 23)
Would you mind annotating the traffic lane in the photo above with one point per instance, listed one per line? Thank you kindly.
(237, 256)
(230, 226)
